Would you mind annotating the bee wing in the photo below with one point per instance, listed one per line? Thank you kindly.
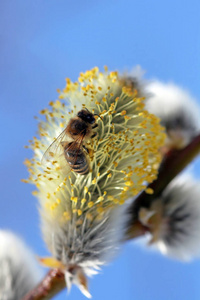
(76, 145)
(53, 150)
(64, 165)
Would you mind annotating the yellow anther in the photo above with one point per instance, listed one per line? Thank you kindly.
(90, 204)
(79, 211)
(34, 193)
(121, 201)
(66, 215)
(115, 164)
(74, 199)
(129, 183)
(100, 210)
(94, 181)
(149, 191)
(83, 201)
(123, 112)
(126, 188)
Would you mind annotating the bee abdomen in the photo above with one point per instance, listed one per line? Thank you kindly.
(81, 169)
(77, 161)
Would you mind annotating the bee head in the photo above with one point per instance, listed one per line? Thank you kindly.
(86, 116)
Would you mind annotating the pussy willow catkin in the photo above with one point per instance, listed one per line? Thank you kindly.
(79, 213)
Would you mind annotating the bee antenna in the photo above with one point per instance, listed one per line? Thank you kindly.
(98, 116)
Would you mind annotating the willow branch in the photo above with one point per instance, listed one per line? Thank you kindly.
(172, 165)
(53, 283)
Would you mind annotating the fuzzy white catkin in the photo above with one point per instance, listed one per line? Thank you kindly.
(179, 226)
(177, 110)
(134, 79)
(19, 272)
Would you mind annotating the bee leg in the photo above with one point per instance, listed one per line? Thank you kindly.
(95, 125)
(93, 135)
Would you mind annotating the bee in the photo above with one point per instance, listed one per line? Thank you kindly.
(76, 157)
(78, 130)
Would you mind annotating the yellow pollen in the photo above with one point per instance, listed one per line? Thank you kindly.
(121, 201)
(25, 180)
(34, 193)
(89, 216)
(149, 191)
(43, 111)
(83, 201)
(126, 188)
(100, 210)
(115, 164)
(94, 181)
(66, 215)
(129, 183)
(123, 112)
(79, 211)
(74, 199)
(90, 204)
(127, 118)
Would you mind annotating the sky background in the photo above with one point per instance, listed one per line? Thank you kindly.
(42, 43)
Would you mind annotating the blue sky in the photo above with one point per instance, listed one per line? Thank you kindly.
(42, 43)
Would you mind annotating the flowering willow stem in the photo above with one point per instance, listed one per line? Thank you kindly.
(172, 165)
(52, 284)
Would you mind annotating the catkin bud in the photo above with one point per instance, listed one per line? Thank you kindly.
(19, 272)
(173, 219)
(178, 112)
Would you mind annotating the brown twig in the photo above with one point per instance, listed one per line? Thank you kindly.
(52, 284)
(172, 165)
